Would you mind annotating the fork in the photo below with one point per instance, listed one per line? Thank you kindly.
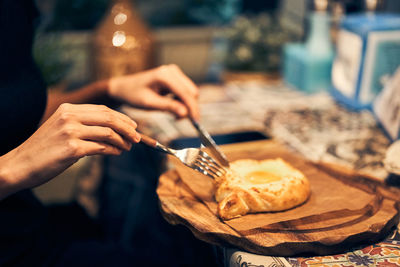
(192, 157)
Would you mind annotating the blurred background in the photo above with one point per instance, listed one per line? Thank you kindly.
(195, 34)
(266, 69)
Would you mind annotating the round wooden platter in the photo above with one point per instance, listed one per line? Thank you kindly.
(345, 209)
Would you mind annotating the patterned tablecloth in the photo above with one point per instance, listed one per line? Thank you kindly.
(385, 253)
(313, 125)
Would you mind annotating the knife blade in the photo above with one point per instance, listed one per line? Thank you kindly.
(209, 142)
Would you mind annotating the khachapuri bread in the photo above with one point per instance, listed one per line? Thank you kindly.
(251, 186)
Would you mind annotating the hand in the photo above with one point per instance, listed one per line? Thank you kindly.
(147, 90)
(72, 132)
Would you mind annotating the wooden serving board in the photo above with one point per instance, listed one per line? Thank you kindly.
(344, 209)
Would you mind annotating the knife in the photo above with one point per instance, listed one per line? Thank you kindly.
(209, 142)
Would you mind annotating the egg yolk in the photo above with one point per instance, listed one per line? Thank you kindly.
(261, 177)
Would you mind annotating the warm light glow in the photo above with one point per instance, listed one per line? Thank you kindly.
(371, 4)
(131, 43)
(119, 38)
(120, 18)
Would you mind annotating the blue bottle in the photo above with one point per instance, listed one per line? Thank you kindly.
(307, 67)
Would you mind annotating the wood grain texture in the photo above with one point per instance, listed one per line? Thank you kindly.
(344, 209)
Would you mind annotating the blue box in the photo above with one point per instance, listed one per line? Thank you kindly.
(386, 107)
(368, 53)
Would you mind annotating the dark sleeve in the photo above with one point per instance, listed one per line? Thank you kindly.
(22, 90)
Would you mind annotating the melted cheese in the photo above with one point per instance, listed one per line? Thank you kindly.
(261, 177)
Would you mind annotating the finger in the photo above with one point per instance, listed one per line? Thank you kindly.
(189, 101)
(84, 108)
(152, 100)
(104, 135)
(98, 115)
(90, 148)
(180, 90)
(185, 80)
(193, 106)
(168, 104)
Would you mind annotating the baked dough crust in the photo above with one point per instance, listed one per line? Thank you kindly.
(238, 196)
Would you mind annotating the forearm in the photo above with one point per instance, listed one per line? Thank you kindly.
(6, 181)
(94, 93)
(72, 132)
(11, 175)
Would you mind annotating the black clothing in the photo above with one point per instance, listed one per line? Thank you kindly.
(30, 233)
(22, 90)
(22, 103)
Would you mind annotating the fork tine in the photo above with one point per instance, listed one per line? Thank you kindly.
(209, 158)
(205, 169)
(212, 161)
(192, 157)
(210, 166)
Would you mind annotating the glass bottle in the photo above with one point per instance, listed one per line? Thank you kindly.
(319, 39)
(122, 43)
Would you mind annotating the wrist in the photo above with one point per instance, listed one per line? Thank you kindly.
(104, 89)
(110, 87)
(9, 176)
